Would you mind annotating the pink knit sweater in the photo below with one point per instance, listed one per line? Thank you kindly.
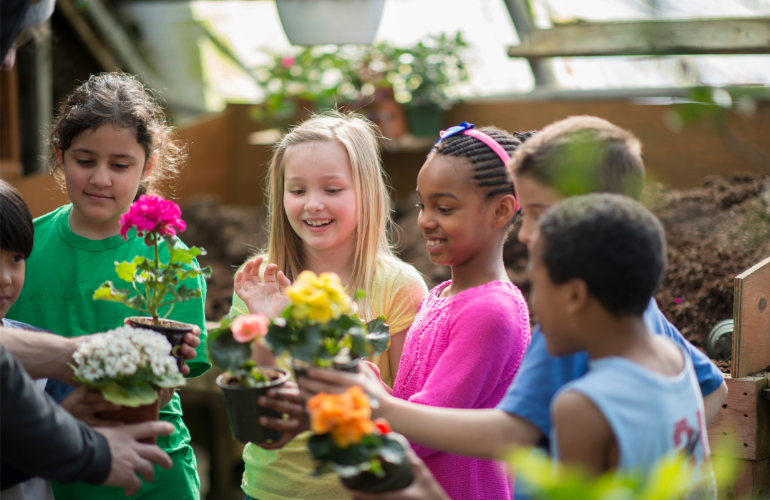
(462, 352)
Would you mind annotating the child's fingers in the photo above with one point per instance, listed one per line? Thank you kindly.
(270, 273)
(281, 406)
(252, 270)
(283, 281)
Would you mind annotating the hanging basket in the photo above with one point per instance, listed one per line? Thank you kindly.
(321, 22)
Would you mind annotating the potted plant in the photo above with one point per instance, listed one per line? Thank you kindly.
(377, 81)
(156, 284)
(366, 454)
(229, 348)
(323, 22)
(320, 327)
(128, 366)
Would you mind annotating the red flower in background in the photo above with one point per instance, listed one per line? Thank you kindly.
(382, 425)
(152, 214)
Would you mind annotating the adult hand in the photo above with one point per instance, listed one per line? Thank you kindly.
(285, 400)
(191, 342)
(424, 485)
(268, 296)
(84, 405)
(130, 457)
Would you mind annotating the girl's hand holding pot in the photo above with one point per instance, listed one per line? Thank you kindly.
(268, 296)
(84, 405)
(424, 485)
(285, 400)
(337, 381)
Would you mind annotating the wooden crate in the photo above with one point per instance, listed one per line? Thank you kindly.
(741, 428)
(751, 314)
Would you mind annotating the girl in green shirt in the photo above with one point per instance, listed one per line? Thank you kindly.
(110, 142)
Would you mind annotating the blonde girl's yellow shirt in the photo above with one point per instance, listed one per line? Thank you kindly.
(286, 474)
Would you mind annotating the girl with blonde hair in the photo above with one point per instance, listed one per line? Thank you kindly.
(329, 211)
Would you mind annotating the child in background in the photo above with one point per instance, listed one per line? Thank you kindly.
(110, 142)
(16, 242)
(329, 212)
(595, 264)
(543, 175)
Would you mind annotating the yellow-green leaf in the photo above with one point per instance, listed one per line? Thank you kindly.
(126, 271)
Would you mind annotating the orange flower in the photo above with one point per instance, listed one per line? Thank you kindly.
(347, 416)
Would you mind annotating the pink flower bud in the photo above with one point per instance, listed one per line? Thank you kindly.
(288, 62)
(248, 327)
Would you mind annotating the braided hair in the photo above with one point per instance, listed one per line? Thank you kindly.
(490, 173)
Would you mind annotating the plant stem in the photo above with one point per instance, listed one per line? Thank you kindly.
(155, 316)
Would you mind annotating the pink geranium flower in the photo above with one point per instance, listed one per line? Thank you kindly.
(248, 327)
(288, 62)
(152, 214)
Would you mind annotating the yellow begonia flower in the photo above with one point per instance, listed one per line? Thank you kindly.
(318, 298)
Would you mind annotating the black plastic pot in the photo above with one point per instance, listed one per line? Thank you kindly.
(173, 330)
(301, 370)
(396, 478)
(244, 412)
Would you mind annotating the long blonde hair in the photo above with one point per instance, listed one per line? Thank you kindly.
(373, 204)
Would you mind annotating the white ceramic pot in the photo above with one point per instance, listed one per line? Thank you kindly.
(321, 22)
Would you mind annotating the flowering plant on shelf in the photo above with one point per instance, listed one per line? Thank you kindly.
(127, 365)
(320, 326)
(365, 453)
(229, 348)
(155, 283)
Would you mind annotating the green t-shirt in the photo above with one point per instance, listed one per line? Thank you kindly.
(61, 276)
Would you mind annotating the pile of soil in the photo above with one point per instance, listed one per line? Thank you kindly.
(714, 233)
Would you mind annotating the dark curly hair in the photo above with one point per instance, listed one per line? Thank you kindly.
(18, 232)
(490, 173)
(609, 241)
(122, 100)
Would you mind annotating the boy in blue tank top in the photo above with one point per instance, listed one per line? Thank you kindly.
(595, 263)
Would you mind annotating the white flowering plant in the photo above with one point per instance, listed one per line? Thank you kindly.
(127, 365)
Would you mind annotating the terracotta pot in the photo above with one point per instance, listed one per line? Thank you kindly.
(134, 415)
(243, 410)
(397, 477)
(173, 330)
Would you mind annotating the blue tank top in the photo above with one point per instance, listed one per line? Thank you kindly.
(651, 415)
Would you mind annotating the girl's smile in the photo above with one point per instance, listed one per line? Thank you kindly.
(319, 195)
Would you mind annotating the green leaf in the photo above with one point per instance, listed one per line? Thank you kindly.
(279, 338)
(125, 270)
(225, 352)
(135, 394)
(308, 349)
(379, 334)
(321, 446)
(109, 293)
(181, 254)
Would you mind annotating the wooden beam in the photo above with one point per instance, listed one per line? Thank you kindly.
(640, 38)
(83, 30)
(741, 428)
(751, 312)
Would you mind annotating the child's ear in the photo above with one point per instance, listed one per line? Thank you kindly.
(59, 156)
(150, 165)
(577, 296)
(505, 209)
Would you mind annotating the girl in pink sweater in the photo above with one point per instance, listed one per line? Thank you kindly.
(470, 333)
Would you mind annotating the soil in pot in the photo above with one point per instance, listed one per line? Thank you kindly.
(173, 330)
(133, 415)
(243, 410)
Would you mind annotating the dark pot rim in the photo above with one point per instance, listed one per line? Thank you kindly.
(177, 325)
(282, 379)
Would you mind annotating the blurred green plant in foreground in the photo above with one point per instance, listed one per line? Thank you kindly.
(673, 478)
